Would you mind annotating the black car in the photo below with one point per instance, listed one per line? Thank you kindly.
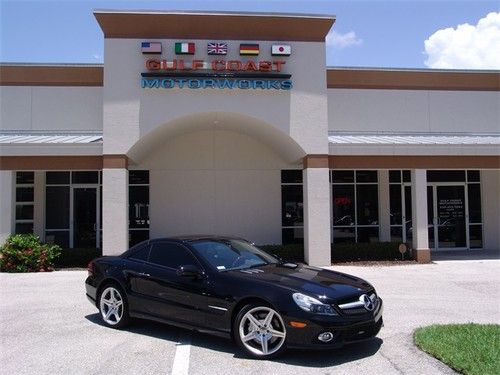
(228, 287)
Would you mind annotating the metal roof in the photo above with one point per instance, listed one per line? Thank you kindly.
(44, 138)
(341, 138)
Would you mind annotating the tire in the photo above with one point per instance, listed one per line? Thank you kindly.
(260, 331)
(113, 306)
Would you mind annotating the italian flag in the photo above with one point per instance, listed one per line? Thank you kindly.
(184, 48)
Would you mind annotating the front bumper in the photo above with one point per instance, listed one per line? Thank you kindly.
(345, 330)
(91, 291)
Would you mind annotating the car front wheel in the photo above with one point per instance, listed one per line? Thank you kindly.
(260, 331)
(113, 307)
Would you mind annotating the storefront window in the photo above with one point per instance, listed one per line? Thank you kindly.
(72, 207)
(292, 207)
(25, 192)
(138, 206)
(400, 206)
(355, 206)
(454, 209)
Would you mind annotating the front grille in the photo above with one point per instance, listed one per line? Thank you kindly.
(357, 307)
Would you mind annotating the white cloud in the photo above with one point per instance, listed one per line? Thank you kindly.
(338, 40)
(466, 46)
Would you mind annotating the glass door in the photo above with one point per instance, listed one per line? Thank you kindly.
(85, 214)
(448, 228)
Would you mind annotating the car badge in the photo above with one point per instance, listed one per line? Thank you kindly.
(367, 302)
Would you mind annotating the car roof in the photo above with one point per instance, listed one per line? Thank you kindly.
(198, 237)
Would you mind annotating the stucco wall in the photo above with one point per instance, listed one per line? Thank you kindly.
(51, 108)
(130, 111)
(413, 111)
(215, 181)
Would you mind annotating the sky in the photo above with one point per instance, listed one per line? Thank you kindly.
(391, 34)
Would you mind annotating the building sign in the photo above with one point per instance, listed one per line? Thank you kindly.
(451, 208)
(218, 73)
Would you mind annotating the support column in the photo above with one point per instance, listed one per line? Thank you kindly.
(421, 249)
(384, 209)
(317, 227)
(6, 205)
(114, 204)
(39, 205)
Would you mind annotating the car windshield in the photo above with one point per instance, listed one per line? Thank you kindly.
(226, 255)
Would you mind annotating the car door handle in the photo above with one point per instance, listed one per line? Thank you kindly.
(139, 274)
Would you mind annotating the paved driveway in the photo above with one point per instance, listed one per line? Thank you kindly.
(48, 326)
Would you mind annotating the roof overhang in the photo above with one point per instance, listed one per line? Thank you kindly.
(45, 144)
(341, 143)
(214, 25)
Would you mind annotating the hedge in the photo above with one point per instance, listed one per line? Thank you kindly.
(345, 252)
(77, 257)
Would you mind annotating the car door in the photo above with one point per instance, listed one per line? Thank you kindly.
(134, 273)
(172, 297)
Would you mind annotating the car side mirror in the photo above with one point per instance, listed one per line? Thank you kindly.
(189, 270)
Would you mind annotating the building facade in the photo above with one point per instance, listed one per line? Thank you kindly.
(232, 124)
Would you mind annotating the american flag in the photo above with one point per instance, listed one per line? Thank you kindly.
(217, 48)
(151, 47)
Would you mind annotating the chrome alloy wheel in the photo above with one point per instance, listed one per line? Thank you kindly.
(111, 305)
(262, 331)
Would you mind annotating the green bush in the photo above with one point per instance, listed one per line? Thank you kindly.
(25, 253)
(344, 252)
(291, 252)
(351, 252)
(78, 257)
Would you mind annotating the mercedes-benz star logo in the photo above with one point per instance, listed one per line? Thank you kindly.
(369, 305)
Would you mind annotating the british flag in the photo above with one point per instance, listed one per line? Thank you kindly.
(217, 48)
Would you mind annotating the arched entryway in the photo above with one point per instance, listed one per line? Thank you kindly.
(216, 173)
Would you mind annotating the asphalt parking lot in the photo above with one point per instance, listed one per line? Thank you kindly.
(48, 326)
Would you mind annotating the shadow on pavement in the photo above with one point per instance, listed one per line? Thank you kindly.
(307, 358)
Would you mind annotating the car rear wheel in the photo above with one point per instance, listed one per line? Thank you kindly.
(113, 306)
(260, 331)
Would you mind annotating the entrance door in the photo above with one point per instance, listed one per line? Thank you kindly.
(85, 217)
(448, 228)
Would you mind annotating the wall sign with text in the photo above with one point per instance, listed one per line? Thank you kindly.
(219, 73)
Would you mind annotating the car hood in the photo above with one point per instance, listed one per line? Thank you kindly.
(328, 286)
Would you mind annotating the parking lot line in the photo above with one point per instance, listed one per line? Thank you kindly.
(181, 356)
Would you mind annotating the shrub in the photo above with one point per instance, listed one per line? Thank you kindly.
(78, 257)
(291, 252)
(344, 252)
(351, 252)
(25, 253)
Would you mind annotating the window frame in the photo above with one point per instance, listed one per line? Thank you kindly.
(354, 184)
(24, 203)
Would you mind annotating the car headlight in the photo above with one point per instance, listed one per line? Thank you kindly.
(312, 305)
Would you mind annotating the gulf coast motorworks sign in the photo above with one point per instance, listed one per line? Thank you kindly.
(218, 73)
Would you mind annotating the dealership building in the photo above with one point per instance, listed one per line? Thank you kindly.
(232, 124)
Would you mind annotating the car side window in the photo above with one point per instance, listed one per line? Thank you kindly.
(141, 253)
(171, 255)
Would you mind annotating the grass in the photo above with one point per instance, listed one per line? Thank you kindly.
(471, 349)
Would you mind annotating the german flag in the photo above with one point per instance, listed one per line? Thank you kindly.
(249, 49)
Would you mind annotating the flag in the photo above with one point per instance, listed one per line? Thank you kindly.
(184, 48)
(151, 47)
(249, 49)
(281, 50)
(217, 48)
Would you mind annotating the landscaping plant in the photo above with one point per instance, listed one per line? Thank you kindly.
(25, 253)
